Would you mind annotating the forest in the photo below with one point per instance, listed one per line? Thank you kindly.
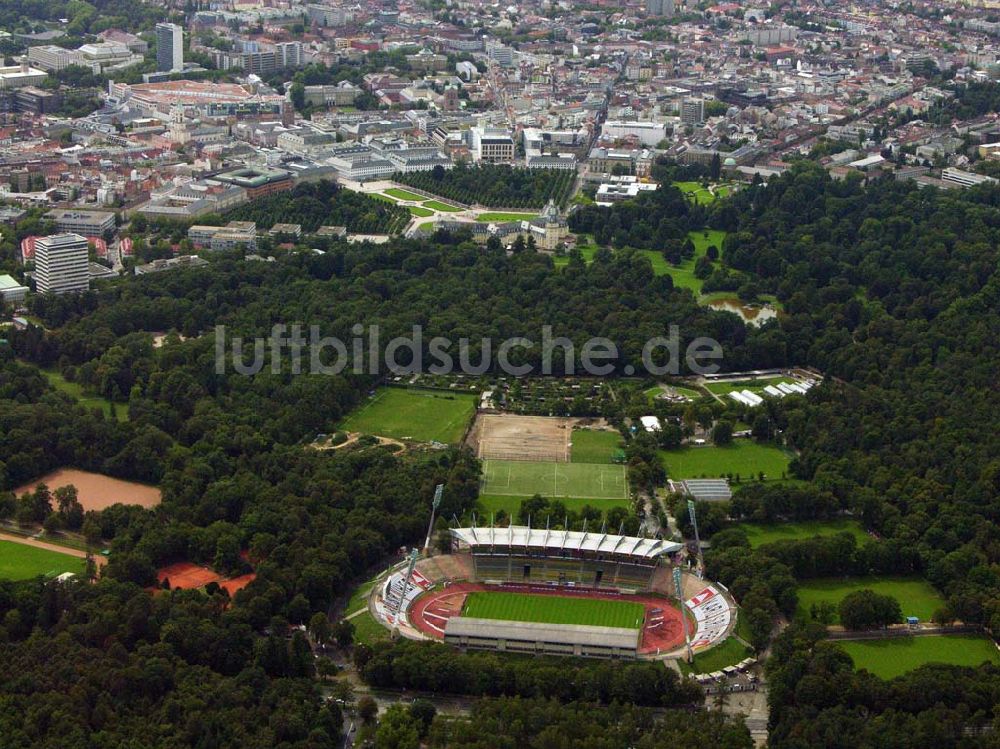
(892, 291)
(323, 203)
(494, 185)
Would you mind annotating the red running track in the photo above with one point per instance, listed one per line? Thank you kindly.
(661, 631)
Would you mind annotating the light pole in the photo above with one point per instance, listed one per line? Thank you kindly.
(438, 491)
(684, 621)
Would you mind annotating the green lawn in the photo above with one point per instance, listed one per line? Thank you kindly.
(730, 652)
(75, 390)
(683, 274)
(916, 596)
(498, 218)
(595, 445)
(696, 192)
(23, 562)
(491, 504)
(437, 205)
(367, 631)
(744, 457)
(894, 657)
(755, 386)
(395, 192)
(760, 534)
(553, 609)
(420, 212)
(420, 415)
(588, 252)
(689, 393)
(583, 481)
(359, 598)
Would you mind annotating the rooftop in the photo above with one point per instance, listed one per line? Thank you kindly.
(543, 538)
(563, 634)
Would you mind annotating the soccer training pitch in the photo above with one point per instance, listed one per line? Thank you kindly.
(420, 415)
(894, 657)
(23, 562)
(525, 607)
(579, 480)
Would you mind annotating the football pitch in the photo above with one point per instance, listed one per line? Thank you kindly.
(894, 657)
(420, 415)
(525, 607)
(23, 562)
(580, 480)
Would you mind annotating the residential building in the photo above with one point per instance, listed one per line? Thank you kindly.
(181, 261)
(660, 7)
(61, 264)
(692, 111)
(169, 47)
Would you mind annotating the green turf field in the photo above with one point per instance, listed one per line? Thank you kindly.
(916, 596)
(754, 386)
(728, 653)
(437, 205)
(420, 415)
(744, 457)
(892, 657)
(419, 212)
(23, 562)
(579, 480)
(683, 274)
(490, 504)
(595, 445)
(760, 533)
(525, 607)
(498, 217)
(395, 192)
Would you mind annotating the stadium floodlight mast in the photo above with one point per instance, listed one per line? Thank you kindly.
(697, 541)
(684, 621)
(406, 585)
(438, 491)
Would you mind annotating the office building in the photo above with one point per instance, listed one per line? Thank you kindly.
(660, 7)
(16, 76)
(61, 264)
(169, 47)
(491, 145)
(11, 292)
(88, 223)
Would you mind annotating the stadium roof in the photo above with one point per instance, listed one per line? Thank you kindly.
(562, 634)
(542, 538)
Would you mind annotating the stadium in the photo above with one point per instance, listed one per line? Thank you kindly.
(554, 592)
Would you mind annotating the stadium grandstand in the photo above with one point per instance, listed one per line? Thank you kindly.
(525, 555)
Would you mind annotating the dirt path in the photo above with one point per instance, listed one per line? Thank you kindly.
(99, 560)
(352, 437)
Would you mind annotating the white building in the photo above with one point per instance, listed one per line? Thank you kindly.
(61, 264)
(492, 145)
(11, 291)
(648, 133)
(16, 76)
(963, 178)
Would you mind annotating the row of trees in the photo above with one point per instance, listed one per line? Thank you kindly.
(495, 185)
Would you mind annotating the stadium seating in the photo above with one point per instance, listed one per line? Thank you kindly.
(561, 571)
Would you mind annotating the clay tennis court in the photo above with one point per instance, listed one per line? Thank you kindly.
(97, 491)
(662, 629)
(190, 576)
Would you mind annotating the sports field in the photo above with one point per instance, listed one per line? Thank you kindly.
(421, 415)
(395, 192)
(496, 218)
(892, 657)
(23, 562)
(594, 445)
(580, 480)
(916, 596)
(761, 533)
(744, 457)
(754, 386)
(525, 607)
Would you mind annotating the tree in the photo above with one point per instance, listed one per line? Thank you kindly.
(398, 729)
(367, 709)
(343, 633)
(722, 433)
(866, 609)
(423, 711)
(319, 628)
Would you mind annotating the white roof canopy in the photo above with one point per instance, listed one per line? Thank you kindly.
(541, 538)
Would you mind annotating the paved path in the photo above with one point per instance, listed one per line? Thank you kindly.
(99, 560)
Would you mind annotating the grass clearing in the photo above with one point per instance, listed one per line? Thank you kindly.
(421, 415)
(399, 194)
(683, 274)
(420, 212)
(761, 533)
(587, 251)
(728, 653)
(523, 478)
(754, 386)
(744, 457)
(359, 598)
(916, 596)
(367, 631)
(525, 607)
(894, 657)
(75, 391)
(500, 217)
(595, 445)
(23, 562)
(437, 205)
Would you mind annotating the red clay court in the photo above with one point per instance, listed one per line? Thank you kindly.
(662, 629)
(189, 576)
